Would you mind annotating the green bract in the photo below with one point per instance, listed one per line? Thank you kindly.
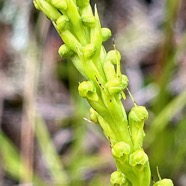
(83, 37)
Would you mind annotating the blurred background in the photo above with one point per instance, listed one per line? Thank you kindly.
(46, 137)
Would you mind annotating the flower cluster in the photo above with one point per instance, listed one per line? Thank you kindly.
(83, 37)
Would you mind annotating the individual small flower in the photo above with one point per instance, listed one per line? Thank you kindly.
(139, 157)
(113, 56)
(120, 149)
(138, 114)
(88, 90)
(164, 182)
(65, 51)
(137, 117)
(88, 21)
(117, 85)
(118, 179)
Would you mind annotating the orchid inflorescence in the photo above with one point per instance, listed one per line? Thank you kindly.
(83, 36)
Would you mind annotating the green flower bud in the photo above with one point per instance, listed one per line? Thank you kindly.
(88, 21)
(50, 11)
(62, 23)
(88, 90)
(59, 4)
(117, 178)
(120, 149)
(88, 51)
(65, 51)
(138, 157)
(117, 85)
(93, 115)
(164, 182)
(106, 34)
(82, 3)
(138, 114)
(114, 57)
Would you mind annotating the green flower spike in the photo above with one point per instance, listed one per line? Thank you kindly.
(118, 179)
(137, 116)
(164, 182)
(83, 37)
